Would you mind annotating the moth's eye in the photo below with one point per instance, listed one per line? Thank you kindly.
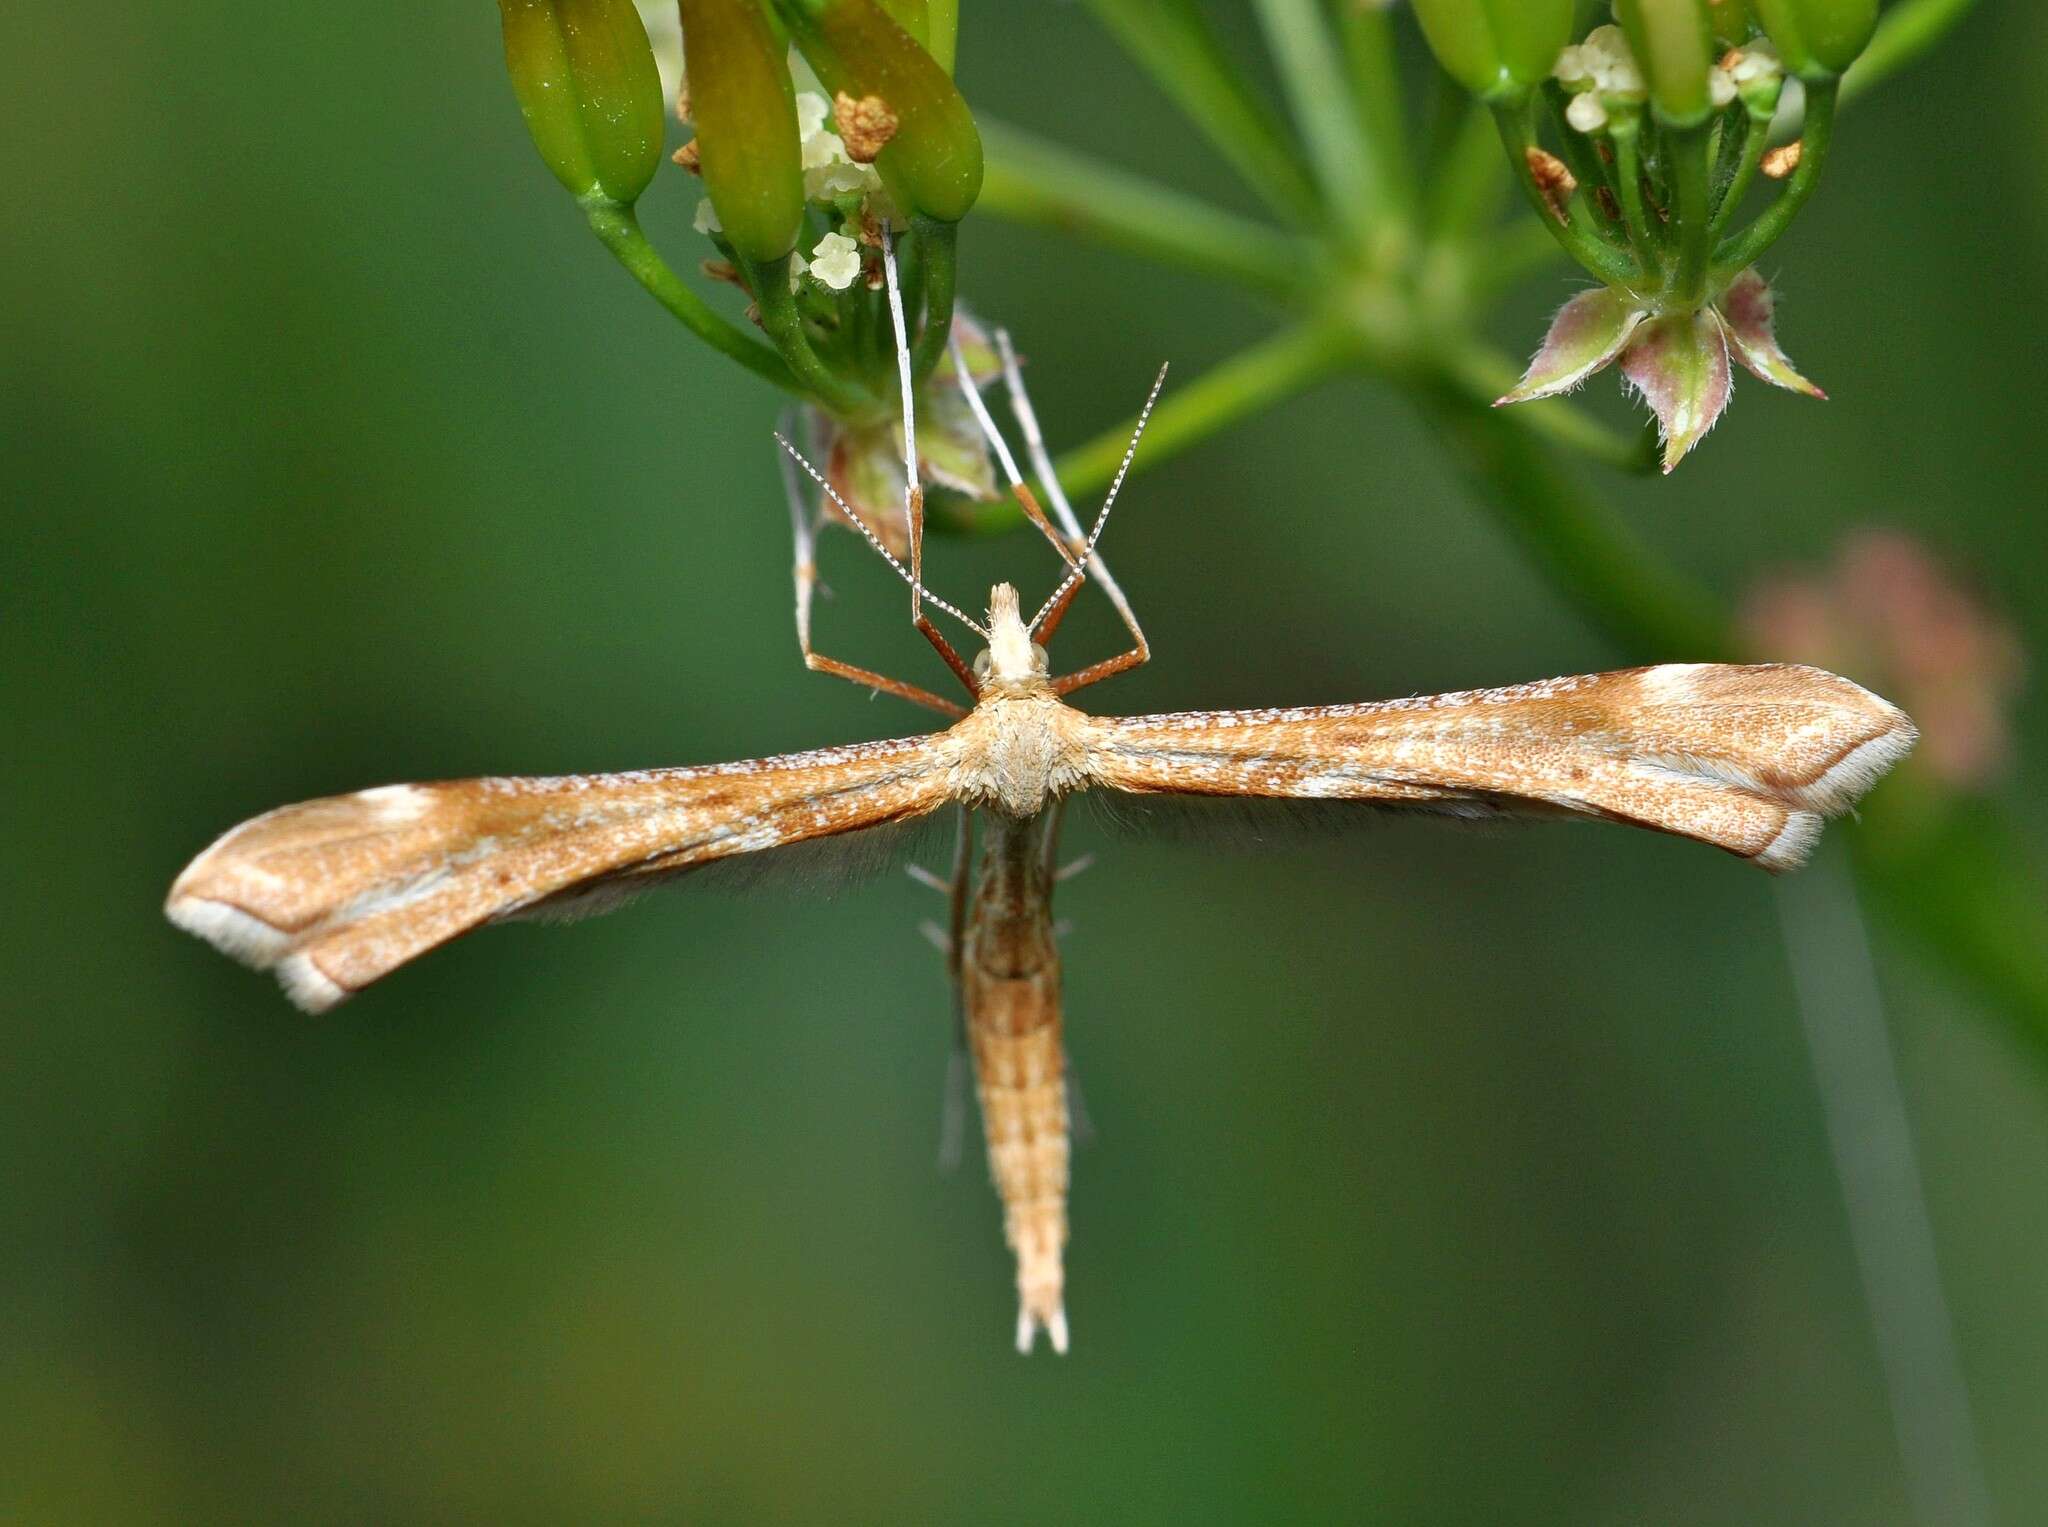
(1040, 662)
(982, 664)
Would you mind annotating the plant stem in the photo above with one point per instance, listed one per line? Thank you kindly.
(1465, 180)
(1756, 133)
(1628, 177)
(1959, 877)
(1817, 132)
(784, 324)
(1586, 552)
(1376, 94)
(619, 230)
(1033, 181)
(1692, 187)
(1172, 42)
(937, 244)
(1909, 29)
(1320, 100)
(1254, 379)
(1508, 255)
(1597, 256)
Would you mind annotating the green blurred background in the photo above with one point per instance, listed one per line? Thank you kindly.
(1440, 1176)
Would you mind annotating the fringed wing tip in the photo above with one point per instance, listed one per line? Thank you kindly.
(1837, 787)
(255, 943)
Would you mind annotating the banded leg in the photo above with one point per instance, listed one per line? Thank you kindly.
(1093, 566)
(804, 571)
(913, 490)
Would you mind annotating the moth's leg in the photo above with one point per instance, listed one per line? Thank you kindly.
(953, 1106)
(1097, 569)
(1026, 499)
(804, 572)
(913, 491)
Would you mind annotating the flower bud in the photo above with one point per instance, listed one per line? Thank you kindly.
(1491, 46)
(932, 163)
(1817, 38)
(1673, 43)
(588, 87)
(744, 105)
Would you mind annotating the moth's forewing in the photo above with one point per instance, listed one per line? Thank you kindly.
(334, 893)
(1747, 758)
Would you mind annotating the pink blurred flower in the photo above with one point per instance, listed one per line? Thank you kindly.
(1888, 611)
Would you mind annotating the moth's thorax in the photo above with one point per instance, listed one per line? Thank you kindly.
(1021, 747)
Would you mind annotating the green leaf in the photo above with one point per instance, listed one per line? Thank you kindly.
(1748, 310)
(1679, 364)
(1586, 335)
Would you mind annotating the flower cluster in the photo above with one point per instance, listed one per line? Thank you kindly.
(822, 128)
(1663, 120)
(846, 193)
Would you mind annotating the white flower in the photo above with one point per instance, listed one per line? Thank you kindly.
(812, 110)
(1605, 55)
(1585, 113)
(1720, 86)
(836, 261)
(822, 150)
(1757, 60)
(706, 220)
(840, 178)
(1572, 68)
(797, 266)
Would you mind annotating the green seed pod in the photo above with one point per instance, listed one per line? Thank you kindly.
(932, 163)
(1731, 22)
(1491, 46)
(1673, 41)
(585, 77)
(744, 106)
(913, 17)
(1818, 39)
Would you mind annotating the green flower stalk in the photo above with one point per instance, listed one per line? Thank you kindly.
(744, 106)
(585, 78)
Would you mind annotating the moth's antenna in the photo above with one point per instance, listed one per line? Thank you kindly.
(853, 518)
(1102, 518)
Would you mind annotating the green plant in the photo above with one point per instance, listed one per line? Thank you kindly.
(1385, 257)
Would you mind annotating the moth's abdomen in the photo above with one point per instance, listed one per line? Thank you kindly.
(1013, 1032)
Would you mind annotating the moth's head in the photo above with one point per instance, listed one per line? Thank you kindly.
(1012, 657)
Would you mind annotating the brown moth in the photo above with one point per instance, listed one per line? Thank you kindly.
(334, 894)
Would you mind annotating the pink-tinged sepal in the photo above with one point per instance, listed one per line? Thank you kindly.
(1679, 363)
(1586, 335)
(1747, 310)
